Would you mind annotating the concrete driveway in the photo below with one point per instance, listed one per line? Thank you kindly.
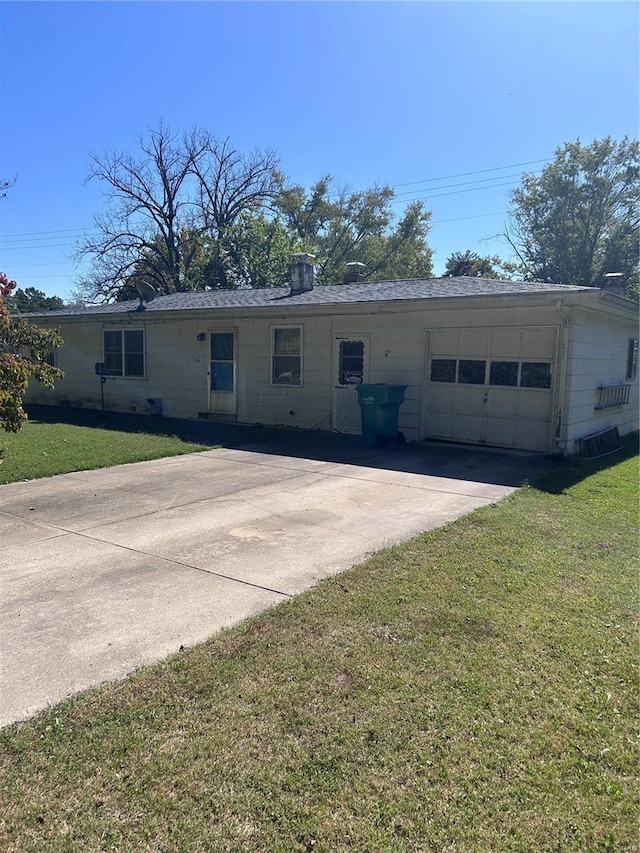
(104, 571)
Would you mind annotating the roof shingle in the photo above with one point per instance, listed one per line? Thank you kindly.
(340, 294)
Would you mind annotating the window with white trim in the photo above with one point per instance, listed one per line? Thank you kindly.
(286, 355)
(123, 352)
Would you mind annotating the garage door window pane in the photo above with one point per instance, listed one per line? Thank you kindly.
(535, 374)
(443, 370)
(503, 373)
(471, 371)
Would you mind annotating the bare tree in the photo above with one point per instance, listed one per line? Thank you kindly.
(146, 226)
(5, 185)
(167, 207)
(230, 182)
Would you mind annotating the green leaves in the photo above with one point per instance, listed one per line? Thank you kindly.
(339, 226)
(24, 353)
(579, 219)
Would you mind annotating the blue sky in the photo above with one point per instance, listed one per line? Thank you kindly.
(405, 94)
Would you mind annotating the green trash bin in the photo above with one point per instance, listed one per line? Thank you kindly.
(379, 404)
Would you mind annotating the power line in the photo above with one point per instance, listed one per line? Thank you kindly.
(24, 248)
(36, 233)
(477, 216)
(455, 192)
(391, 186)
(477, 172)
(466, 183)
(427, 196)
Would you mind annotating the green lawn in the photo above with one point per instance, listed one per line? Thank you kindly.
(472, 690)
(56, 441)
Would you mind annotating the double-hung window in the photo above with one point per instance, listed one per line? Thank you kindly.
(124, 352)
(286, 355)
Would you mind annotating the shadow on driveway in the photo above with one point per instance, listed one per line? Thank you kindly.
(438, 459)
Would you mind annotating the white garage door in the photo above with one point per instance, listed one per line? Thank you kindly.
(491, 386)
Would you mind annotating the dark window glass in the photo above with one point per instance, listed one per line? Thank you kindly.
(113, 353)
(222, 376)
(123, 352)
(222, 346)
(134, 353)
(503, 373)
(535, 374)
(443, 370)
(632, 358)
(471, 371)
(222, 361)
(351, 367)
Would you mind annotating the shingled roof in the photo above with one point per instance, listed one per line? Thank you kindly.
(340, 294)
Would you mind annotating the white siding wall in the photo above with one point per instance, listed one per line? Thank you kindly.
(177, 363)
(307, 406)
(598, 356)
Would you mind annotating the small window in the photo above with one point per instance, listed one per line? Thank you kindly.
(443, 370)
(286, 356)
(471, 371)
(632, 358)
(124, 352)
(503, 373)
(535, 374)
(351, 367)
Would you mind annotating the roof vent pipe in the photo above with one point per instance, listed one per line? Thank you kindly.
(301, 272)
(355, 272)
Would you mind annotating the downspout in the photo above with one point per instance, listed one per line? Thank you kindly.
(560, 432)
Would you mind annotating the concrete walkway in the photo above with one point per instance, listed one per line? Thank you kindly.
(104, 571)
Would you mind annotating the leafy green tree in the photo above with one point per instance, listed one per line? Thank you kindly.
(579, 218)
(470, 263)
(343, 226)
(257, 251)
(32, 301)
(24, 352)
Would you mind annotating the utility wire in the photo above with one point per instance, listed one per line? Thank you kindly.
(391, 186)
(477, 172)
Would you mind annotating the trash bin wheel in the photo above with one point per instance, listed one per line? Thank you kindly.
(401, 438)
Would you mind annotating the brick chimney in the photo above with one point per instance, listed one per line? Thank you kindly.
(301, 272)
